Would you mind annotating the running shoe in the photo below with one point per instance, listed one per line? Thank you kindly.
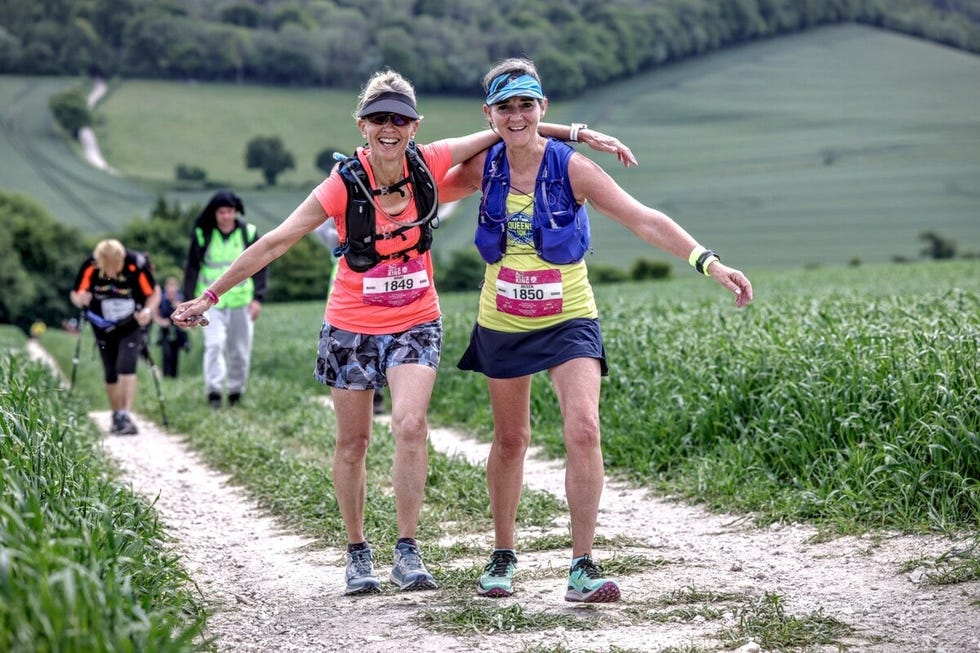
(361, 578)
(126, 425)
(498, 575)
(586, 584)
(114, 428)
(408, 572)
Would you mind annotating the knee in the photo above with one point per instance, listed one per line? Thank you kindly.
(512, 443)
(352, 449)
(582, 434)
(410, 429)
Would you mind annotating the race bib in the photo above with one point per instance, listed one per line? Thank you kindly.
(533, 293)
(395, 284)
(117, 310)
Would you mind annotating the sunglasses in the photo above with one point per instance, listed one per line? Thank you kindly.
(396, 119)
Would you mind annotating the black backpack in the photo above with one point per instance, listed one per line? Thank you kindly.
(361, 224)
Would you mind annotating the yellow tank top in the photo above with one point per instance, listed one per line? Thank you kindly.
(522, 291)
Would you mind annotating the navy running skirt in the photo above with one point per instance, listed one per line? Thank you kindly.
(502, 355)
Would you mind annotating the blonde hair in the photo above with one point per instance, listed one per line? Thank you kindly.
(384, 81)
(108, 250)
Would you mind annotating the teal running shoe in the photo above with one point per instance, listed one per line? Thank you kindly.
(498, 575)
(361, 578)
(586, 584)
(408, 572)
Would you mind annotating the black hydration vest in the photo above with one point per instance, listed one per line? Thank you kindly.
(361, 226)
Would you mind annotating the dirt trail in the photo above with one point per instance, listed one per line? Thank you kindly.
(273, 592)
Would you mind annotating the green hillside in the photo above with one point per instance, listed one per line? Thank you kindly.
(833, 145)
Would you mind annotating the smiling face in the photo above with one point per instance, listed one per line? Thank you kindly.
(516, 119)
(388, 140)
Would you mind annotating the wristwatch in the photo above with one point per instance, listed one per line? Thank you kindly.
(576, 127)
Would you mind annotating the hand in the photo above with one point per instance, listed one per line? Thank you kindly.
(83, 299)
(603, 143)
(144, 316)
(734, 280)
(254, 308)
(191, 313)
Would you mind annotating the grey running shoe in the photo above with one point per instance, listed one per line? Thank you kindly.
(361, 578)
(126, 425)
(408, 572)
(498, 575)
(115, 423)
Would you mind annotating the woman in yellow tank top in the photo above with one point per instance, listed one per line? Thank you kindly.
(537, 311)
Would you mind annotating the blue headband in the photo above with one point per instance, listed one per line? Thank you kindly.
(511, 85)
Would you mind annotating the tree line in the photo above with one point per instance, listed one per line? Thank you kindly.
(443, 46)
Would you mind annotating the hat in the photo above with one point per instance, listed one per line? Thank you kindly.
(514, 84)
(390, 102)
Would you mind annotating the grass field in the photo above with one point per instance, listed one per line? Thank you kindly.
(847, 396)
(831, 146)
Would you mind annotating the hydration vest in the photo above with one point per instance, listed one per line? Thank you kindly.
(361, 225)
(560, 226)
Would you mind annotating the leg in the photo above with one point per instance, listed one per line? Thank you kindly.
(215, 335)
(114, 392)
(510, 400)
(353, 410)
(411, 389)
(168, 354)
(239, 348)
(577, 385)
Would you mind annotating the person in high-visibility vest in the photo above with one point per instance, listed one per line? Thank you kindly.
(220, 235)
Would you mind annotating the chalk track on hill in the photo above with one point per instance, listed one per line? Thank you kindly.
(272, 591)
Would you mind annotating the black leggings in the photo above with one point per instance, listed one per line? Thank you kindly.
(119, 352)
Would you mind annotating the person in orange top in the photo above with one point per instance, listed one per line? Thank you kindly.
(382, 324)
(119, 295)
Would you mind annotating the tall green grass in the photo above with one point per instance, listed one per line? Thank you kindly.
(847, 397)
(843, 397)
(84, 565)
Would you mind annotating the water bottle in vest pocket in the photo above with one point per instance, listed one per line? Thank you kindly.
(562, 237)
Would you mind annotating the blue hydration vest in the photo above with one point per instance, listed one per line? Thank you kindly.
(560, 226)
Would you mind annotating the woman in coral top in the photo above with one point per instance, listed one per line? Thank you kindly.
(382, 325)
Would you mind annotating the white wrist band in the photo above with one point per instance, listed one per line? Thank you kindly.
(576, 127)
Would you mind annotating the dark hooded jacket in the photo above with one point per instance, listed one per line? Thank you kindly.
(207, 224)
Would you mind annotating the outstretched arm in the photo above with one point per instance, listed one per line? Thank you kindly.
(591, 182)
(304, 219)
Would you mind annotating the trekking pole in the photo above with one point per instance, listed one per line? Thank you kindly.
(155, 373)
(78, 350)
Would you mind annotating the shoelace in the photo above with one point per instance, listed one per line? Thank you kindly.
(498, 563)
(589, 568)
(361, 561)
(411, 557)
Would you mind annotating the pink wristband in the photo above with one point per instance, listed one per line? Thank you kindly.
(211, 296)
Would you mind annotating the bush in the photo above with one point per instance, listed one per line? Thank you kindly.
(191, 173)
(70, 111)
(646, 269)
(602, 273)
